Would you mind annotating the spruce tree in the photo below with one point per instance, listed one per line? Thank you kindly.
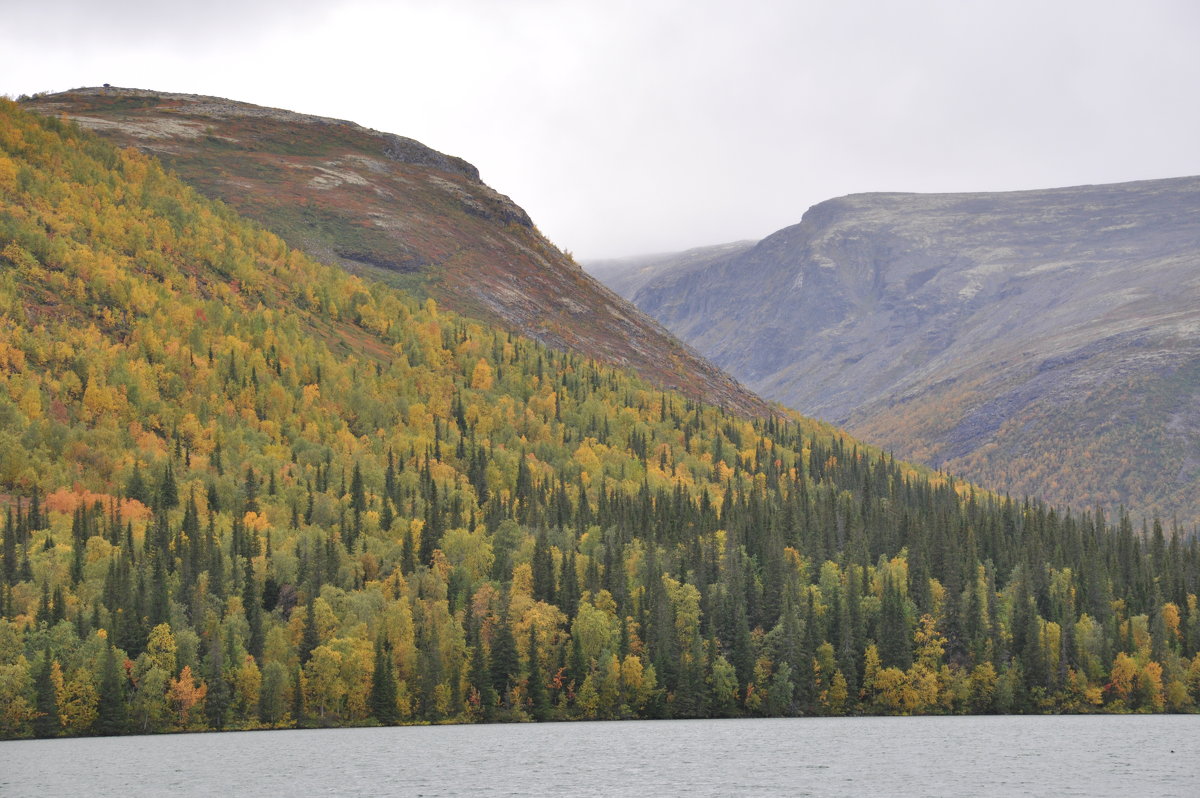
(383, 686)
(895, 634)
(568, 586)
(45, 611)
(111, 712)
(45, 722)
(250, 488)
(58, 609)
(168, 490)
(309, 638)
(543, 569)
(387, 516)
(216, 703)
(505, 663)
(252, 605)
(358, 493)
(135, 488)
(299, 713)
(479, 675)
(10, 548)
(539, 699)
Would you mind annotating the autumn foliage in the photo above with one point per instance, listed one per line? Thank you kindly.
(245, 490)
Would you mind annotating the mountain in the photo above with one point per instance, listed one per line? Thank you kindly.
(244, 489)
(627, 275)
(391, 208)
(1042, 342)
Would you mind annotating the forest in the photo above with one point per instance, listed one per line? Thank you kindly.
(241, 489)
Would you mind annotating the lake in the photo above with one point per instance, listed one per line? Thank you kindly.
(1138, 755)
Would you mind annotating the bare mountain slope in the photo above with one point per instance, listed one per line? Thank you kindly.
(627, 275)
(1042, 341)
(393, 209)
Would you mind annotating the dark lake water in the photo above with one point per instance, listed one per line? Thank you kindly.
(1136, 756)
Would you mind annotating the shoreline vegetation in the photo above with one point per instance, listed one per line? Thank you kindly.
(240, 489)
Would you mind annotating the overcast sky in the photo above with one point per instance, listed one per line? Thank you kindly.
(634, 127)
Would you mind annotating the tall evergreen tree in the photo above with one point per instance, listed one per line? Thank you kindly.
(309, 639)
(895, 643)
(535, 683)
(383, 696)
(111, 712)
(135, 487)
(45, 722)
(505, 663)
(168, 489)
(217, 701)
(252, 605)
(543, 569)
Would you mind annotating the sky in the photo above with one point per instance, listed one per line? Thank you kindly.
(628, 128)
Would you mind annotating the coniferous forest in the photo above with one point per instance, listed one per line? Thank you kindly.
(241, 489)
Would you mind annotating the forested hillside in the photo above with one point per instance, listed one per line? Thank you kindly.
(245, 490)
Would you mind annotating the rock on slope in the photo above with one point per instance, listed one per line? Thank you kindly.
(393, 209)
(1041, 341)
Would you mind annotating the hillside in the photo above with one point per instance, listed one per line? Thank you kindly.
(1042, 342)
(242, 489)
(390, 208)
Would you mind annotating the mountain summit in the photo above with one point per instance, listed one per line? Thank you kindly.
(1041, 341)
(391, 208)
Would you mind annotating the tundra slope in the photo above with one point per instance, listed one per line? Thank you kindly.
(627, 275)
(391, 208)
(1045, 342)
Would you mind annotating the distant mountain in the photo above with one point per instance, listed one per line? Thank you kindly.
(627, 275)
(391, 208)
(1044, 342)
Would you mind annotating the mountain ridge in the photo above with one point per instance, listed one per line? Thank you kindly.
(1018, 314)
(626, 275)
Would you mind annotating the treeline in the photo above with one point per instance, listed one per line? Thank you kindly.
(244, 490)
